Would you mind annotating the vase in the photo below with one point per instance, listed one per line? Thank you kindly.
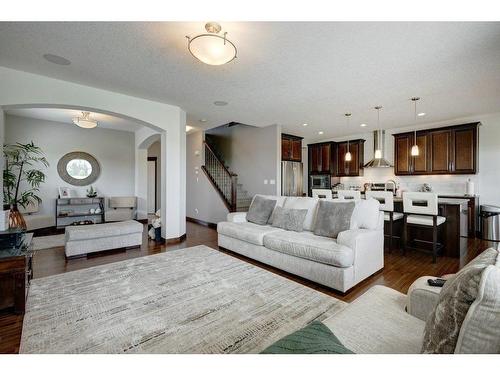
(16, 219)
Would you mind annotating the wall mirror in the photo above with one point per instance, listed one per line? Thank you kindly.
(78, 168)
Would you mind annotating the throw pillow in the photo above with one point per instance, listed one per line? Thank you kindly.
(366, 214)
(459, 292)
(333, 218)
(315, 338)
(260, 210)
(304, 203)
(289, 219)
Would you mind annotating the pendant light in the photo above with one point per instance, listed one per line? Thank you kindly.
(348, 156)
(378, 148)
(414, 150)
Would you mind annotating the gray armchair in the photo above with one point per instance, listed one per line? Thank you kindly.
(121, 209)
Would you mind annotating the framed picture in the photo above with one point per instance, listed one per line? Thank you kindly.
(64, 192)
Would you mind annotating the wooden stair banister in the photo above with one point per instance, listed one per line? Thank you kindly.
(224, 181)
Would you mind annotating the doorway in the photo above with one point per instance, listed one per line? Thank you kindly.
(152, 184)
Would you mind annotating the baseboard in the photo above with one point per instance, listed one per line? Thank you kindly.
(175, 240)
(201, 222)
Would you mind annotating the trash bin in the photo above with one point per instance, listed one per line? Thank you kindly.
(490, 222)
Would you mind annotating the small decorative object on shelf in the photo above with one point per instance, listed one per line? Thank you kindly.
(91, 193)
(82, 222)
(64, 192)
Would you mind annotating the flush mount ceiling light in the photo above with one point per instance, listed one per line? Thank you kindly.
(188, 128)
(85, 121)
(320, 133)
(211, 48)
(203, 120)
(421, 114)
(363, 125)
(348, 155)
(54, 59)
(414, 150)
(305, 124)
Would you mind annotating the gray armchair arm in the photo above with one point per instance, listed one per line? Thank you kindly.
(422, 298)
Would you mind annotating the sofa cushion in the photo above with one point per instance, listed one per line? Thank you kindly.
(314, 338)
(309, 246)
(289, 219)
(376, 323)
(480, 332)
(248, 232)
(366, 214)
(86, 232)
(304, 203)
(260, 210)
(458, 294)
(333, 218)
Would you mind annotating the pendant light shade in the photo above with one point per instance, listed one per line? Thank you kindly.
(348, 155)
(211, 48)
(415, 150)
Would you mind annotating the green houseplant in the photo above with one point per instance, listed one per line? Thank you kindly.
(22, 162)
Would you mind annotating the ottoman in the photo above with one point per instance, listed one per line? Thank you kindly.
(86, 239)
(422, 298)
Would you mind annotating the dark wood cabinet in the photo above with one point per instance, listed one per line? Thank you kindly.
(449, 150)
(321, 158)
(355, 166)
(291, 148)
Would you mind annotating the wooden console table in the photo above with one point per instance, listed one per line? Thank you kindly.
(16, 273)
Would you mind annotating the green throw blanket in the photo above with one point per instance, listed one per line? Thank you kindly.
(315, 338)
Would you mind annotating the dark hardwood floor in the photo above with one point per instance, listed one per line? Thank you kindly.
(399, 271)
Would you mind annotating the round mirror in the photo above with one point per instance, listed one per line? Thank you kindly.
(78, 168)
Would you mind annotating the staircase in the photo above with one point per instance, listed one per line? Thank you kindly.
(225, 182)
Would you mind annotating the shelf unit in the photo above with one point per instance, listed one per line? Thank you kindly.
(78, 209)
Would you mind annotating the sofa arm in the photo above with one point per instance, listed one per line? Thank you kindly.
(237, 217)
(422, 298)
(354, 238)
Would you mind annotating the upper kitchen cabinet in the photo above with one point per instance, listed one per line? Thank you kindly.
(449, 150)
(321, 158)
(355, 166)
(291, 147)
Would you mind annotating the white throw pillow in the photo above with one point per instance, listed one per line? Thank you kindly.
(366, 214)
(304, 203)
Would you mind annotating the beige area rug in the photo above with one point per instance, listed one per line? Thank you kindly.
(195, 300)
(48, 242)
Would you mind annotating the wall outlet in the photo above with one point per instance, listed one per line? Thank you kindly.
(272, 182)
(265, 182)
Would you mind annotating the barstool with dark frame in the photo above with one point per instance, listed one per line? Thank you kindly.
(421, 210)
(386, 200)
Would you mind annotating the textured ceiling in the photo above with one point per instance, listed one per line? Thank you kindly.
(66, 115)
(286, 73)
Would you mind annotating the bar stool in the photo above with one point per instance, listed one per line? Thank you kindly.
(322, 193)
(386, 200)
(421, 210)
(349, 194)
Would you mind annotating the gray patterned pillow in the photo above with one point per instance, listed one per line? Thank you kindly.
(260, 210)
(289, 219)
(333, 218)
(460, 291)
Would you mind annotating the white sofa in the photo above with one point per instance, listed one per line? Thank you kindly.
(337, 263)
(35, 220)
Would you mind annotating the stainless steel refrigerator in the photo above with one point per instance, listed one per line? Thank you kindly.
(291, 178)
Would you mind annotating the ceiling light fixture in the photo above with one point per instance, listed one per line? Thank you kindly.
(188, 128)
(421, 114)
(305, 124)
(320, 133)
(363, 125)
(55, 59)
(211, 48)
(85, 121)
(348, 155)
(203, 120)
(220, 103)
(414, 150)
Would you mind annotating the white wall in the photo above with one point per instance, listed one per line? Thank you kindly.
(113, 149)
(486, 181)
(32, 90)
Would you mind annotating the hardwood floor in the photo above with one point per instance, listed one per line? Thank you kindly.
(399, 271)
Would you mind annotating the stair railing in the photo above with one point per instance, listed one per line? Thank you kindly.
(224, 181)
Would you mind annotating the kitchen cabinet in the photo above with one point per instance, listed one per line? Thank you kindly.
(449, 150)
(291, 148)
(321, 158)
(355, 166)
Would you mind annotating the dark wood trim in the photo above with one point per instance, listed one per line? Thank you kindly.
(449, 127)
(215, 154)
(155, 159)
(291, 136)
(175, 240)
(226, 203)
(201, 222)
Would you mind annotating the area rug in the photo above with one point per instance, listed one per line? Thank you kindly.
(48, 242)
(194, 300)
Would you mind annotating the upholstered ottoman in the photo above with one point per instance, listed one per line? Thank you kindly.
(85, 239)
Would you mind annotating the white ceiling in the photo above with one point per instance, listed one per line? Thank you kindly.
(287, 73)
(66, 115)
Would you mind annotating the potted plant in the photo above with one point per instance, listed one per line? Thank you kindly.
(21, 163)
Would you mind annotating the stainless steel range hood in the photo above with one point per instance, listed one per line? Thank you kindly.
(378, 160)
